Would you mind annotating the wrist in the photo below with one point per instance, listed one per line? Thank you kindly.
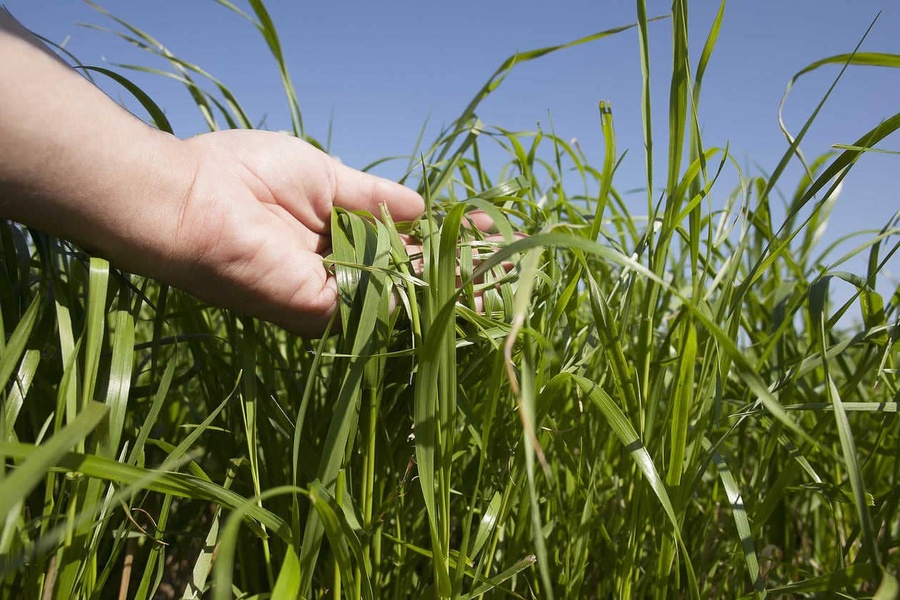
(136, 219)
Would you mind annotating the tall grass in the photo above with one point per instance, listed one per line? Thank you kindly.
(658, 405)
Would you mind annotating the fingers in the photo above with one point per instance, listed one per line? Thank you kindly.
(481, 251)
(300, 319)
(479, 220)
(355, 190)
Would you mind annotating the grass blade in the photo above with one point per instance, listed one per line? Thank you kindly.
(27, 475)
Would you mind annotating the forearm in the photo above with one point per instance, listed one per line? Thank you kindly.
(75, 164)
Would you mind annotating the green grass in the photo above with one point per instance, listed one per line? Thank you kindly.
(659, 405)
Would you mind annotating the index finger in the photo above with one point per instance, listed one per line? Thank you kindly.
(355, 190)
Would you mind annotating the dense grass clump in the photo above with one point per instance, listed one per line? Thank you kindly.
(668, 404)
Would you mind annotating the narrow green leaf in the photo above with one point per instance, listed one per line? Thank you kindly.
(27, 475)
(177, 484)
(288, 583)
(18, 341)
(119, 382)
(741, 521)
(499, 579)
(155, 112)
(94, 325)
(682, 399)
(342, 537)
(818, 292)
(486, 525)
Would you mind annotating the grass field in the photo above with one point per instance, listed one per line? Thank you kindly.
(669, 404)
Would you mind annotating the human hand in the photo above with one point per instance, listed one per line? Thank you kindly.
(251, 232)
(237, 218)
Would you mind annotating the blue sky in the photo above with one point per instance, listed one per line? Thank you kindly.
(380, 70)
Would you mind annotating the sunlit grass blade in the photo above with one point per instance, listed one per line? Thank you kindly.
(506, 67)
(94, 326)
(741, 522)
(178, 484)
(235, 115)
(848, 578)
(28, 474)
(119, 384)
(288, 581)
(266, 28)
(136, 455)
(223, 570)
(524, 390)
(16, 398)
(682, 403)
(646, 111)
(500, 578)
(487, 524)
(889, 588)
(15, 346)
(679, 94)
(355, 241)
(203, 565)
(817, 298)
(342, 536)
(629, 439)
(867, 59)
(156, 113)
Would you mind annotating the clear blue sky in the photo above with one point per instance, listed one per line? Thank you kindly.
(380, 69)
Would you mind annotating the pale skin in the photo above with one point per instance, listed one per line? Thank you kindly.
(240, 219)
